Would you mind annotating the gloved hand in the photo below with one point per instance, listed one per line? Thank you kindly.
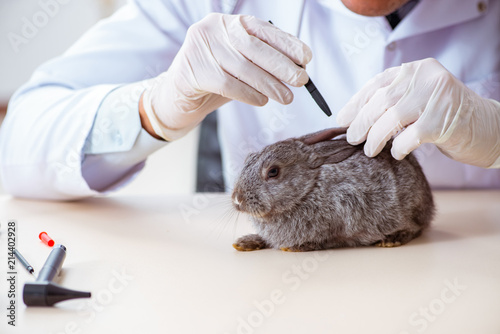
(223, 58)
(424, 103)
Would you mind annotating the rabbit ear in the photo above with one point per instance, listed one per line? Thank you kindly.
(322, 135)
(330, 152)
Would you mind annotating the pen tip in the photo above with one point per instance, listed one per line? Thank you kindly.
(326, 109)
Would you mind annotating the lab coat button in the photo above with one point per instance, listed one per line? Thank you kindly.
(391, 46)
(482, 6)
(118, 138)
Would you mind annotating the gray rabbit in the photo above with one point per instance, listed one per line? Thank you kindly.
(312, 193)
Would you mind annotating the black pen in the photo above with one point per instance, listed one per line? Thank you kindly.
(311, 87)
(316, 95)
(23, 261)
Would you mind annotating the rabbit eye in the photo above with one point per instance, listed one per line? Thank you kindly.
(273, 172)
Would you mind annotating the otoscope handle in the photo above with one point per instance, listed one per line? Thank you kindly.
(53, 264)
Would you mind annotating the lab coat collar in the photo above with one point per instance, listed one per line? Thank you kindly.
(432, 15)
(426, 16)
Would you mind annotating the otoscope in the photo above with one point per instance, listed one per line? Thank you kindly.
(43, 292)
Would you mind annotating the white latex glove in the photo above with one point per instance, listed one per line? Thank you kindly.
(223, 58)
(424, 103)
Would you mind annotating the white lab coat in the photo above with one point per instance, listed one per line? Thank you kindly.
(50, 117)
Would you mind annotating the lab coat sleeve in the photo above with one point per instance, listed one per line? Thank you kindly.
(50, 117)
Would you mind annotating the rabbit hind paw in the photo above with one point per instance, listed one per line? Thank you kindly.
(398, 238)
(250, 242)
(386, 243)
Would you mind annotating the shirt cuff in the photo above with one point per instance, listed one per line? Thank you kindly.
(117, 146)
(117, 122)
(111, 171)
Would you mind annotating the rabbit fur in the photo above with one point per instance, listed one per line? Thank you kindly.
(312, 193)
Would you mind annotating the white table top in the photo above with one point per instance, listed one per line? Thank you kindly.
(166, 265)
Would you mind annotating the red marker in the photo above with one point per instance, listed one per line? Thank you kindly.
(46, 239)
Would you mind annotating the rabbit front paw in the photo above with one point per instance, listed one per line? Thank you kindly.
(291, 249)
(250, 242)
